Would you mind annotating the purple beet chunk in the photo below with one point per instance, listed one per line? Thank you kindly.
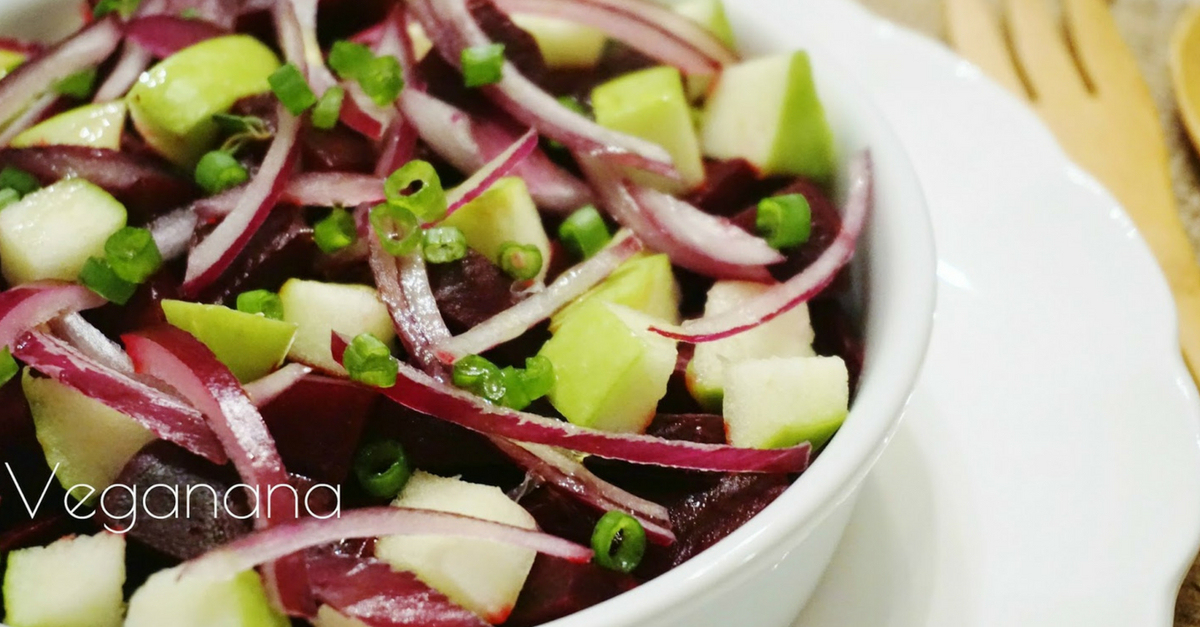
(826, 222)
(678, 400)
(369, 590)
(317, 425)
(557, 588)
(336, 150)
(22, 457)
(470, 291)
(143, 310)
(560, 514)
(282, 248)
(837, 335)
(702, 519)
(731, 186)
(178, 535)
(140, 183)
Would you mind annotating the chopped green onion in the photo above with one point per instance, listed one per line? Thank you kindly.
(78, 85)
(8, 196)
(383, 81)
(510, 387)
(483, 65)
(218, 171)
(515, 395)
(20, 180)
(396, 227)
(133, 254)
(784, 221)
(292, 89)
(573, 103)
(329, 107)
(124, 7)
(538, 376)
(619, 542)
(470, 371)
(382, 469)
(261, 302)
(99, 277)
(584, 232)
(8, 366)
(350, 60)
(189, 13)
(370, 362)
(444, 244)
(336, 231)
(520, 261)
(417, 187)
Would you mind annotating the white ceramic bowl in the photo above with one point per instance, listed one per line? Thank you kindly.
(763, 573)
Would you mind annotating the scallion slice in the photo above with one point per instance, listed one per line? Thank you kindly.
(382, 468)
(261, 302)
(99, 277)
(218, 171)
(325, 114)
(784, 221)
(417, 187)
(619, 542)
(584, 232)
(336, 231)
(520, 261)
(20, 180)
(370, 362)
(483, 65)
(396, 227)
(132, 254)
(292, 89)
(444, 244)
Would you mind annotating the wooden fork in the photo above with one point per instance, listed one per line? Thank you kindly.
(1083, 80)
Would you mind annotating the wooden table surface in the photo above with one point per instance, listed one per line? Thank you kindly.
(1147, 25)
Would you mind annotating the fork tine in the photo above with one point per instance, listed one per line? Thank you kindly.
(1047, 63)
(1106, 57)
(974, 31)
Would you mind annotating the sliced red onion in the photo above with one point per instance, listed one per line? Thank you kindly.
(263, 391)
(163, 414)
(404, 287)
(800, 288)
(329, 189)
(213, 255)
(92, 342)
(704, 252)
(83, 50)
(451, 27)
(289, 29)
(514, 322)
(173, 232)
(493, 171)
(134, 60)
(29, 117)
(424, 394)
(27, 306)
(563, 471)
(649, 27)
(372, 522)
(722, 239)
(399, 147)
(164, 35)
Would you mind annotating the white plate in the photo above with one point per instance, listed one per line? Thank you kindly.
(1048, 471)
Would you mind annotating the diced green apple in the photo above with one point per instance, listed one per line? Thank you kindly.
(483, 576)
(781, 402)
(9, 60)
(788, 335)
(329, 617)
(564, 44)
(644, 283)
(651, 104)
(711, 15)
(173, 102)
(74, 582)
(85, 439)
(318, 308)
(504, 213)
(610, 370)
(767, 112)
(99, 125)
(170, 598)
(251, 345)
(52, 232)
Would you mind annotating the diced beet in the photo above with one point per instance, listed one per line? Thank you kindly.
(837, 335)
(702, 519)
(693, 287)
(143, 310)
(471, 291)
(336, 150)
(678, 399)
(560, 514)
(369, 590)
(281, 249)
(617, 59)
(177, 535)
(317, 425)
(557, 588)
(826, 222)
(731, 186)
(702, 428)
(520, 47)
(140, 183)
(23, 460)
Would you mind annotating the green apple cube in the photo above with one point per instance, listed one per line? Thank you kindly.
(651, 104)
(170, 598)
(711, 15)
(483, 576)
(504, 213)
(99, 125)
(318, 308)
(9, 60)
(783, 401)
(564, 44)
(329, 617)
(52, 232)
(85, 439)
(173, 102)
(767, 112)
(251, 345)
(610, 369)
(74, 582)
(645, 283)
(788, 335)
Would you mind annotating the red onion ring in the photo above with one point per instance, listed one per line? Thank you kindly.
(800, 288)
(649, 27)
(34, 114)
(514, 322)
(331, 189)
(493, 171)
(270, 387)
(163, 414)
(134, 60)
(92, 342)
(404, 287)
(164, 35)
(27, 306)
